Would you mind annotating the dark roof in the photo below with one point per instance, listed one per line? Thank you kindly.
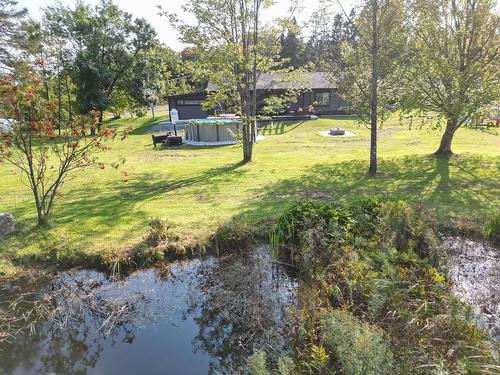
(283, 81)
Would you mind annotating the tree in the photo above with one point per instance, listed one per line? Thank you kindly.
(33, 145)
(152, 74)
(292, 46)
(235, 50)
(11, 23)
(104, 42)
(368, 67)
(328, 32)
(455, 62)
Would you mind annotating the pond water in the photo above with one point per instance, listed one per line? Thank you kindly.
(474, 273)
(193, 317)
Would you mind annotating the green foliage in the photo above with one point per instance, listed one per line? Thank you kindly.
(379, 41)
(408, 228)
(104, 42)
(313, 224)
(11, 24)
(378, 259)
(257, 363)
(359, 348)
(491, 227)
(442, 77)
(286, 366)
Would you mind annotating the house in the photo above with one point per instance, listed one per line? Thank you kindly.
(319, 91)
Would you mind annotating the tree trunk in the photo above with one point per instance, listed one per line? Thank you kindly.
(68, 93)
(99, 124)
(373, 94)
(59, 94)
(153, 111)
(43, 219)
(247, 142)
(445, 145)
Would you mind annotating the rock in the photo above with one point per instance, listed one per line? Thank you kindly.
(6, 224)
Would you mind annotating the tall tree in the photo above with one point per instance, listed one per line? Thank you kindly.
(328, 31)
(11, 21)
(235, 51)
(455, 55)
(292, 45)
(151, 75)
(368, 67)
(104, 42)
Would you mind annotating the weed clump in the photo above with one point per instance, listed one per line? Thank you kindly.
(160, 243)
(491, 228)
(232, 236)
(360, 348)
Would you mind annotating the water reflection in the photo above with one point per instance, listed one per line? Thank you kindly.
(201, 317)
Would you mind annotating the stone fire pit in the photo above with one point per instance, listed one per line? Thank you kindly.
(337, 131)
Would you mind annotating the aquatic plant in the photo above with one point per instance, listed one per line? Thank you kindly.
(360, 348)
(491, 228)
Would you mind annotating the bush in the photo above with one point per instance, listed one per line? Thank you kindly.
(359, 348)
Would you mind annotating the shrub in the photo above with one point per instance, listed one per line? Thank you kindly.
(359, 348)
(309, 224)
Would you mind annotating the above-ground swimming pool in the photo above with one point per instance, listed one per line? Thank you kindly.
(212, 130)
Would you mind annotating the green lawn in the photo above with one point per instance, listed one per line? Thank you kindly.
(198, 188)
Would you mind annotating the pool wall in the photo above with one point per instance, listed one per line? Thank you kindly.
(219, 132)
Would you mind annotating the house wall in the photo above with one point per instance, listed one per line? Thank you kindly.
(188, 111)
(194, 111)
(335, 106)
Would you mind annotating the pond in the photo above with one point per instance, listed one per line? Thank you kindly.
(474, 273)
(193, 317)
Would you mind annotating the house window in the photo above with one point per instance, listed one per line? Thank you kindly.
(321, 98)
(188, 101)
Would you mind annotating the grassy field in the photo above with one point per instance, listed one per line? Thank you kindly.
(198, 188)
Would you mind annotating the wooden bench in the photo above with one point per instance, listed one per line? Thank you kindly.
(160, 138)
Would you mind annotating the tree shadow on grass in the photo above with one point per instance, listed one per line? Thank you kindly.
(464, 185)
(109, 205)
(145, 127)
(279, 128)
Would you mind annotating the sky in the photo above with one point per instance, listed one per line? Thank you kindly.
(148, 9)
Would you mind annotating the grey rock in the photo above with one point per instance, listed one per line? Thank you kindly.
(6, 224)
